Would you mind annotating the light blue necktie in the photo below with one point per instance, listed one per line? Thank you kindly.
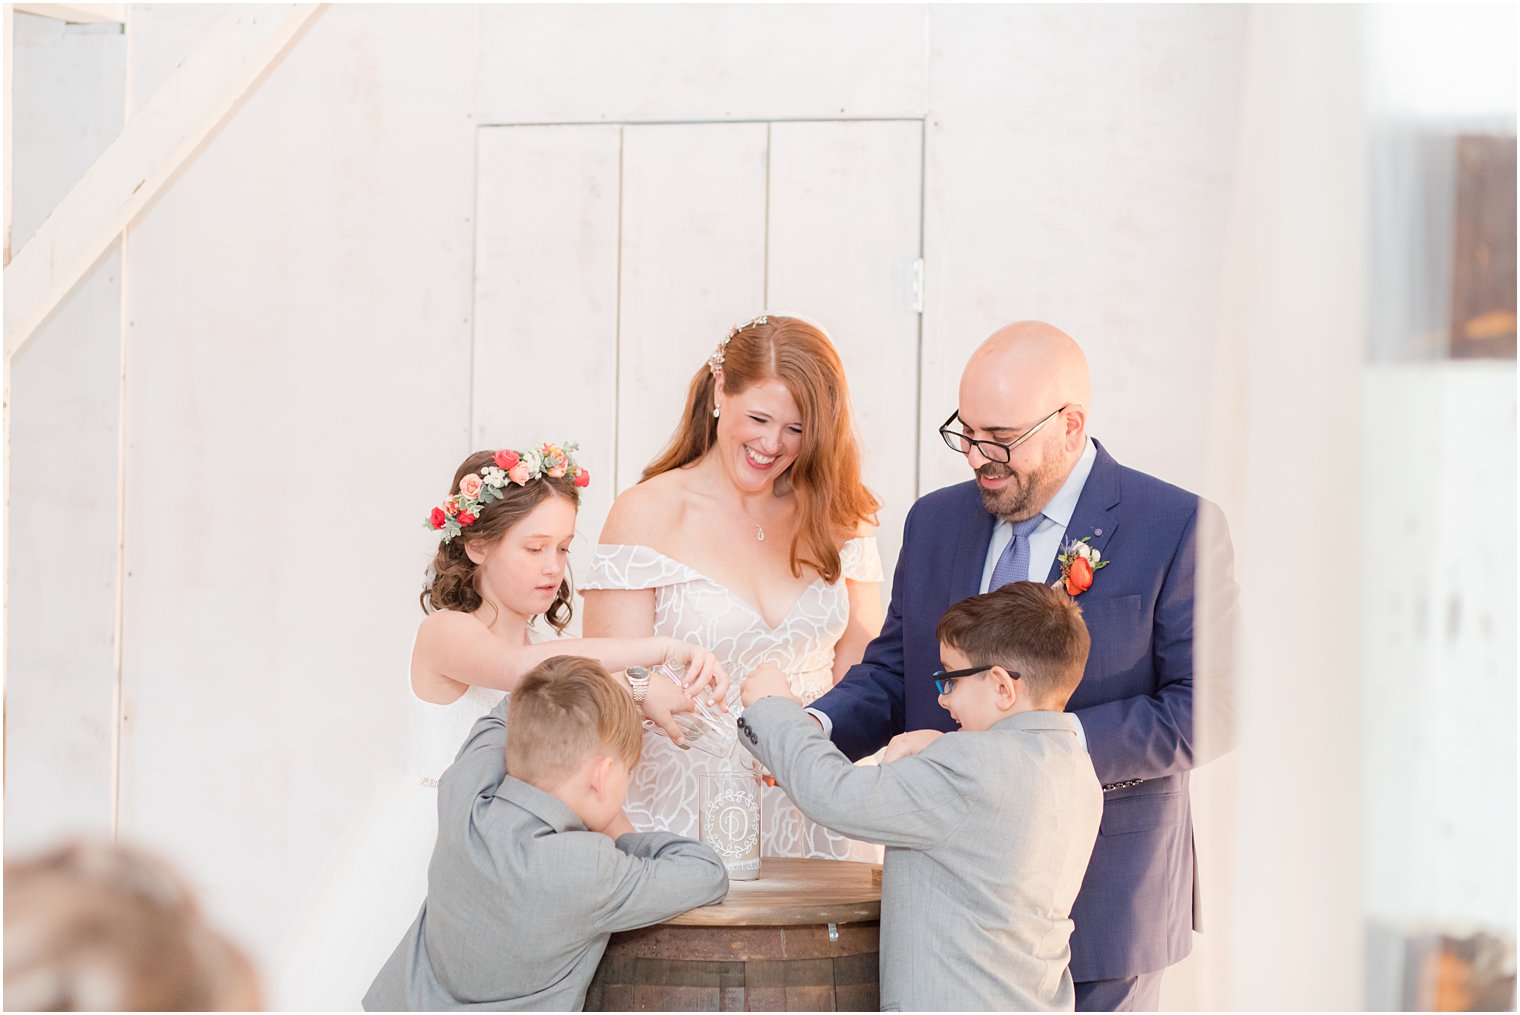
(1013, 565)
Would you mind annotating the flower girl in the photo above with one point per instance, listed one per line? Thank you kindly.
(504, 534)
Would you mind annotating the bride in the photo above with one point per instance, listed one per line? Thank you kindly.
(750, 535)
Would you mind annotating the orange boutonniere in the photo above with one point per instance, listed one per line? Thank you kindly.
(1079, 563)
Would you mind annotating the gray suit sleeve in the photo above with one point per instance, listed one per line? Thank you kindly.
(915, 802)
(482, 759)
(649, 877)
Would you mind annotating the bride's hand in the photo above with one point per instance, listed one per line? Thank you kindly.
(702, 671)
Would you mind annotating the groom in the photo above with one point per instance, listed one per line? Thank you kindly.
(1041, 484)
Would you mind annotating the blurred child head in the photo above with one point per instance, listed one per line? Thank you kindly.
(574, 733)
(514, 554)
(95, 927)
(1028, 641)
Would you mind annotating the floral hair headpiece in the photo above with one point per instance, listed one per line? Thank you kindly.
(459, 511)
(715, 361)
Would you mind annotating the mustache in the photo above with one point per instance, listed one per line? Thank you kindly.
(994, 470)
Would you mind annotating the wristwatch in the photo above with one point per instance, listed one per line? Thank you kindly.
(638, 683)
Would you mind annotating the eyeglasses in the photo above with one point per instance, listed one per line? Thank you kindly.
(943, 678)
(991, 450)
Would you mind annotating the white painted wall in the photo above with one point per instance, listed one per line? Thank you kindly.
(62, 509)
(1080, 164)
(312, 344)
(298, 385)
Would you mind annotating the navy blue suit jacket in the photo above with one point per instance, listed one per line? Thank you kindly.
(1135, 913)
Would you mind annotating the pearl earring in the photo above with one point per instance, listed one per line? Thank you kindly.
(716, 409)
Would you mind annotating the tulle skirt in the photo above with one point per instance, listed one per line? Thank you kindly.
(365, 898)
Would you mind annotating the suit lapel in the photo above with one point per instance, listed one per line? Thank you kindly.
(1095, 513)
(974, 532)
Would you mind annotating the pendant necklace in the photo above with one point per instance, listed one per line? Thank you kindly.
(759, 530)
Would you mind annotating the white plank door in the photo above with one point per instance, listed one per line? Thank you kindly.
(843, 245)
(693, 256)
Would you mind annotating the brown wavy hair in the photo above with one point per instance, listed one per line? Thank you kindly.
(825, 478)
(453, 580)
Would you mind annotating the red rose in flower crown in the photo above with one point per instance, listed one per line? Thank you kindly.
(505, 459)
(437, 518)
(465, 518)
(583, 477)
(1079, 565)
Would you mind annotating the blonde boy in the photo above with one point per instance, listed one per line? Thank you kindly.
(533, 871)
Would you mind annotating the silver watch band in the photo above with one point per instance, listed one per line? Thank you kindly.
(638, 683)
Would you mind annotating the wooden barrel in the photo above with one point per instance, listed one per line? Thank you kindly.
(802, 937)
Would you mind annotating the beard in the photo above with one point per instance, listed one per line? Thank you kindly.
(1026, 494)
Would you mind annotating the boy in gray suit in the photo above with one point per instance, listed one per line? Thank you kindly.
(533, 871)
(988, 830)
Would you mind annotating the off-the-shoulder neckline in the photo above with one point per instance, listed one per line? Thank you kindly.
(717, 584)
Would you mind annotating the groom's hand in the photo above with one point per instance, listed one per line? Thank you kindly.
(763, 682)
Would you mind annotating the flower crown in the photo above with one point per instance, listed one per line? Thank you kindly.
(459, 511)
(715, 361)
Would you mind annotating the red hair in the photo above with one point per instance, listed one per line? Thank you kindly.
(825, 478)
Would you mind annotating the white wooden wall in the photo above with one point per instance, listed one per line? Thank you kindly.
(62, 513)
(298, 388)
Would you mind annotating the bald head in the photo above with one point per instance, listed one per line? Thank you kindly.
(1029, 368)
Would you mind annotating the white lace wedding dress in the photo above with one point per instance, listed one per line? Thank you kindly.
(375, 878)
(664, 789)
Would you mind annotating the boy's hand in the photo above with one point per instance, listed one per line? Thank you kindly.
(764, 681)
(912, 742)
(618, 826)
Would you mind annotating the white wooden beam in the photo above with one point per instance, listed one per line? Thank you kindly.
(151, 147)
(76, 13)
